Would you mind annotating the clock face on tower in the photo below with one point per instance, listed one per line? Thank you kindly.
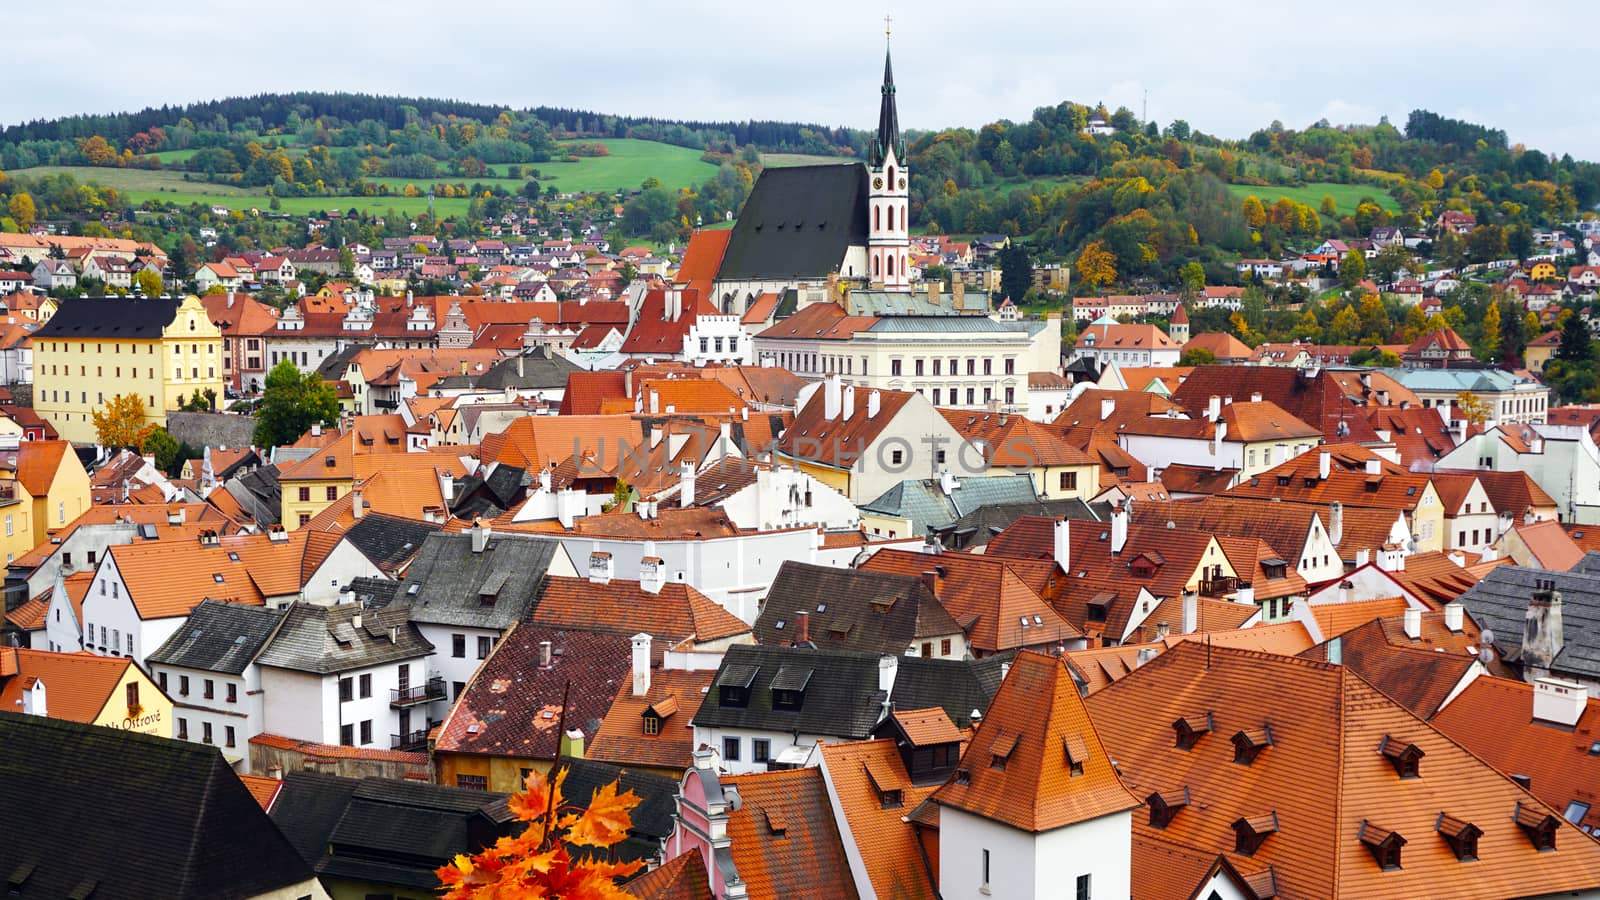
(877, 183)
(902, 184)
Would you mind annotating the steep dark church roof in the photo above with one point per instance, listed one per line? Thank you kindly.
(888, 121)
(799, 221)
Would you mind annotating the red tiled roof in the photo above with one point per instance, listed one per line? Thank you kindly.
(861, 773)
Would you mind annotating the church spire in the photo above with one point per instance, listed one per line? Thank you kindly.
(888, 118)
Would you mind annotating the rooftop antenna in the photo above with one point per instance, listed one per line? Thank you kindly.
(1144, 111)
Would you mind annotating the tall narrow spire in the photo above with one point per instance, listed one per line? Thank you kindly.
(888, 119)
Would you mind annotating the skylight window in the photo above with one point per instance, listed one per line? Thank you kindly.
(217, 577)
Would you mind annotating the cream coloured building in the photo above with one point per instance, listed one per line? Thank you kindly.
(93, 349)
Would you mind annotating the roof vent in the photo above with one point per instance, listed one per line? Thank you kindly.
(1247, 745)
(1401, 754)
(1383, 844)
(1249, 833)
(1190, 729)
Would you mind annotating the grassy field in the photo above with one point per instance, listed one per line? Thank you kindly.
(136, 180)
(513, 185)
(1345, 196)
(629, 164)
(140, 186)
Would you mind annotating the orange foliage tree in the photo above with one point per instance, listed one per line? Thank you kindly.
(537, 864)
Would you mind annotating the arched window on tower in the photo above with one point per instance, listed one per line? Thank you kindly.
(891, 178)
(888, 265)
(891, 218)
(875, 266)
(905, 218)
(877, 218)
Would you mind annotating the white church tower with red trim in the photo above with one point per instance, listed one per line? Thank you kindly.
(889, 213)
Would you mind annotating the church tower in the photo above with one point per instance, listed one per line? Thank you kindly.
(889, 226)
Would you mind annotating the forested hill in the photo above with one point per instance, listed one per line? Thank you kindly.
(340, 112)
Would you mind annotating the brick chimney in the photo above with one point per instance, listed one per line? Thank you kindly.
(1542, 637)
(802, 628)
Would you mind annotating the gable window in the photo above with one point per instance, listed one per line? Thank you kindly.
(1247, 745)
(652, 724)
(1383, 844)
(1077, 753)
(1000, 750)
(1462, 836)
(1164, 807)
(1403, 755)
(1539, 827)
(1250, 833)
(733, 685)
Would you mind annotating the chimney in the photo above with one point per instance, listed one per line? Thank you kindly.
(933, 292)
(934, 579)
(874, 403)
(175, 515)
(652, 574)
(1255, 397)
(802, 628)
(358, 503)
(276, 534)
(1444, 411)
(686, 484)
(1412, 620)
(316, 429)
(355, 620)
(33, 699)
(848, 404)
(1191, 612)
(1542, 637)
(1559, 702)
(480, 535)
(1162, 631)
(1453, 616)
(1107, 407)
(641, 664)
(572, 743)
(887, 667)
(1346, 591)
(1324, 466)
(546, 655)
(275, 772)
(831, 398)
(601, 567)
(1063, 545)
(1213, 408)
(1375, 466)
(1119, 527)
(958, 290)
(655, 402)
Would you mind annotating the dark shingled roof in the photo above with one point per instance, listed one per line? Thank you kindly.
(168, 819)
(322, 639)
(1500, 603)
(958, 686)
(540, 369)
(975, 528)
(385, 831)
(445, 584)
(112, 318)
(219, 637)
(653, 818)
(388, 541)
(841, 699)
(851, 609)
(798, 221)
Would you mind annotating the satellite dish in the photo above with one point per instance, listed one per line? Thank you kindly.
(1487, 637)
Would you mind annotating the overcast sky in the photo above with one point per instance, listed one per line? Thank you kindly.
(1226, 68)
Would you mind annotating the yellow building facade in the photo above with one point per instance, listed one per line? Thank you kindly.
(45, 489)
(93, 349)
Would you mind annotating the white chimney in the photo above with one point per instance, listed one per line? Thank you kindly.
(831, 398)
(888, 665)
(480, 535)
(1559, 702)
(1444, 411)
(1375, 466)
(546, 654)
(652, 574)
(874, 403)
(848, 396)
(601, 567)
(1214, 408)
(1191, 612)
(1412, 621)
(33, 700)
(1107, 407)
(686, 484)
(655, 402)
(1063, 545)
(1255, 397)
(641, 664)
(358, 504)
(355, 620)
(1324, 466)
(1119, 527)
(1453, 617)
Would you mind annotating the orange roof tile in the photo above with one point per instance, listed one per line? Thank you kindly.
(702, 258)
(78, 686)
(263, 789)
(1014, 441)
(170, 578)
(923, 727)
(986, 596)
(682, 877)
(1550, 545)
(861, 773)
(1022, 767)
(674, 695)
(784, 840)
(315, 750)
(1334, 619)
(29, 616)
(675, 614)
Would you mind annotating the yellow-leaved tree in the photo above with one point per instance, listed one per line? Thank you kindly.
(119, 423)
(537, 864)
(1097, 266)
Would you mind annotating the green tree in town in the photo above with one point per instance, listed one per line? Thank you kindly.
(1193, 278)
(1345, 327)
(164, 447)
(1016, 272)
(1577, 346)
(1489, 343)
(292, 403)
(1352, 269)
(1197, 356)
(148, 283)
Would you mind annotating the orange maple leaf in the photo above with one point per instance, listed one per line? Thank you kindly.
(606, 820)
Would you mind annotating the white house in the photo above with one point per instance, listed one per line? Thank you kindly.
(1561, 459)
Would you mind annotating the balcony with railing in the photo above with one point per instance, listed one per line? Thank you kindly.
(414, 742)
(431, 690)
(1219, 586)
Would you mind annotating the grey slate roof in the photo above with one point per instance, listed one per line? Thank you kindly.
(373, 592)
(900, 303)
(1500, 602)
(975, 528)
(653, 818)
(333, 367)
(384, 831)
(959, 686)
(948, 324)
(112, 318)
(798, 221)
(445, 583)
(219, 637)
(323, 640)
(389, 541)
(841, 700)
(1589, 565)
(540, 369)
(169, 818)
(929, 507)
(851, 609)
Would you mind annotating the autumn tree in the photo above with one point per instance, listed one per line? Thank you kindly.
(1345, 327)
(1473, 408)
(1489, 343)
(539, 864)
(1197, 356)
(97, 152)
(148, 282)
(1193, 278)
(1328, 207)
(1255, 215)
(1352, 269)
(1097, 266)
(22, 209)
(119, 424)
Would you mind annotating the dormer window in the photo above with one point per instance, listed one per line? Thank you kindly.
(733, 685)
(777, 824)
(1164, 807)
(1247, 745)
(1077, 753)
(1403, 755)
(886, 782)
(1383, 844)
(1462, 837)
(1251, 832)
(1190, 729)
(1000, 750)
(1539, 826)
(789, 687)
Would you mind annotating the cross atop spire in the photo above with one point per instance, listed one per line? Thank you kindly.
(888, 137)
